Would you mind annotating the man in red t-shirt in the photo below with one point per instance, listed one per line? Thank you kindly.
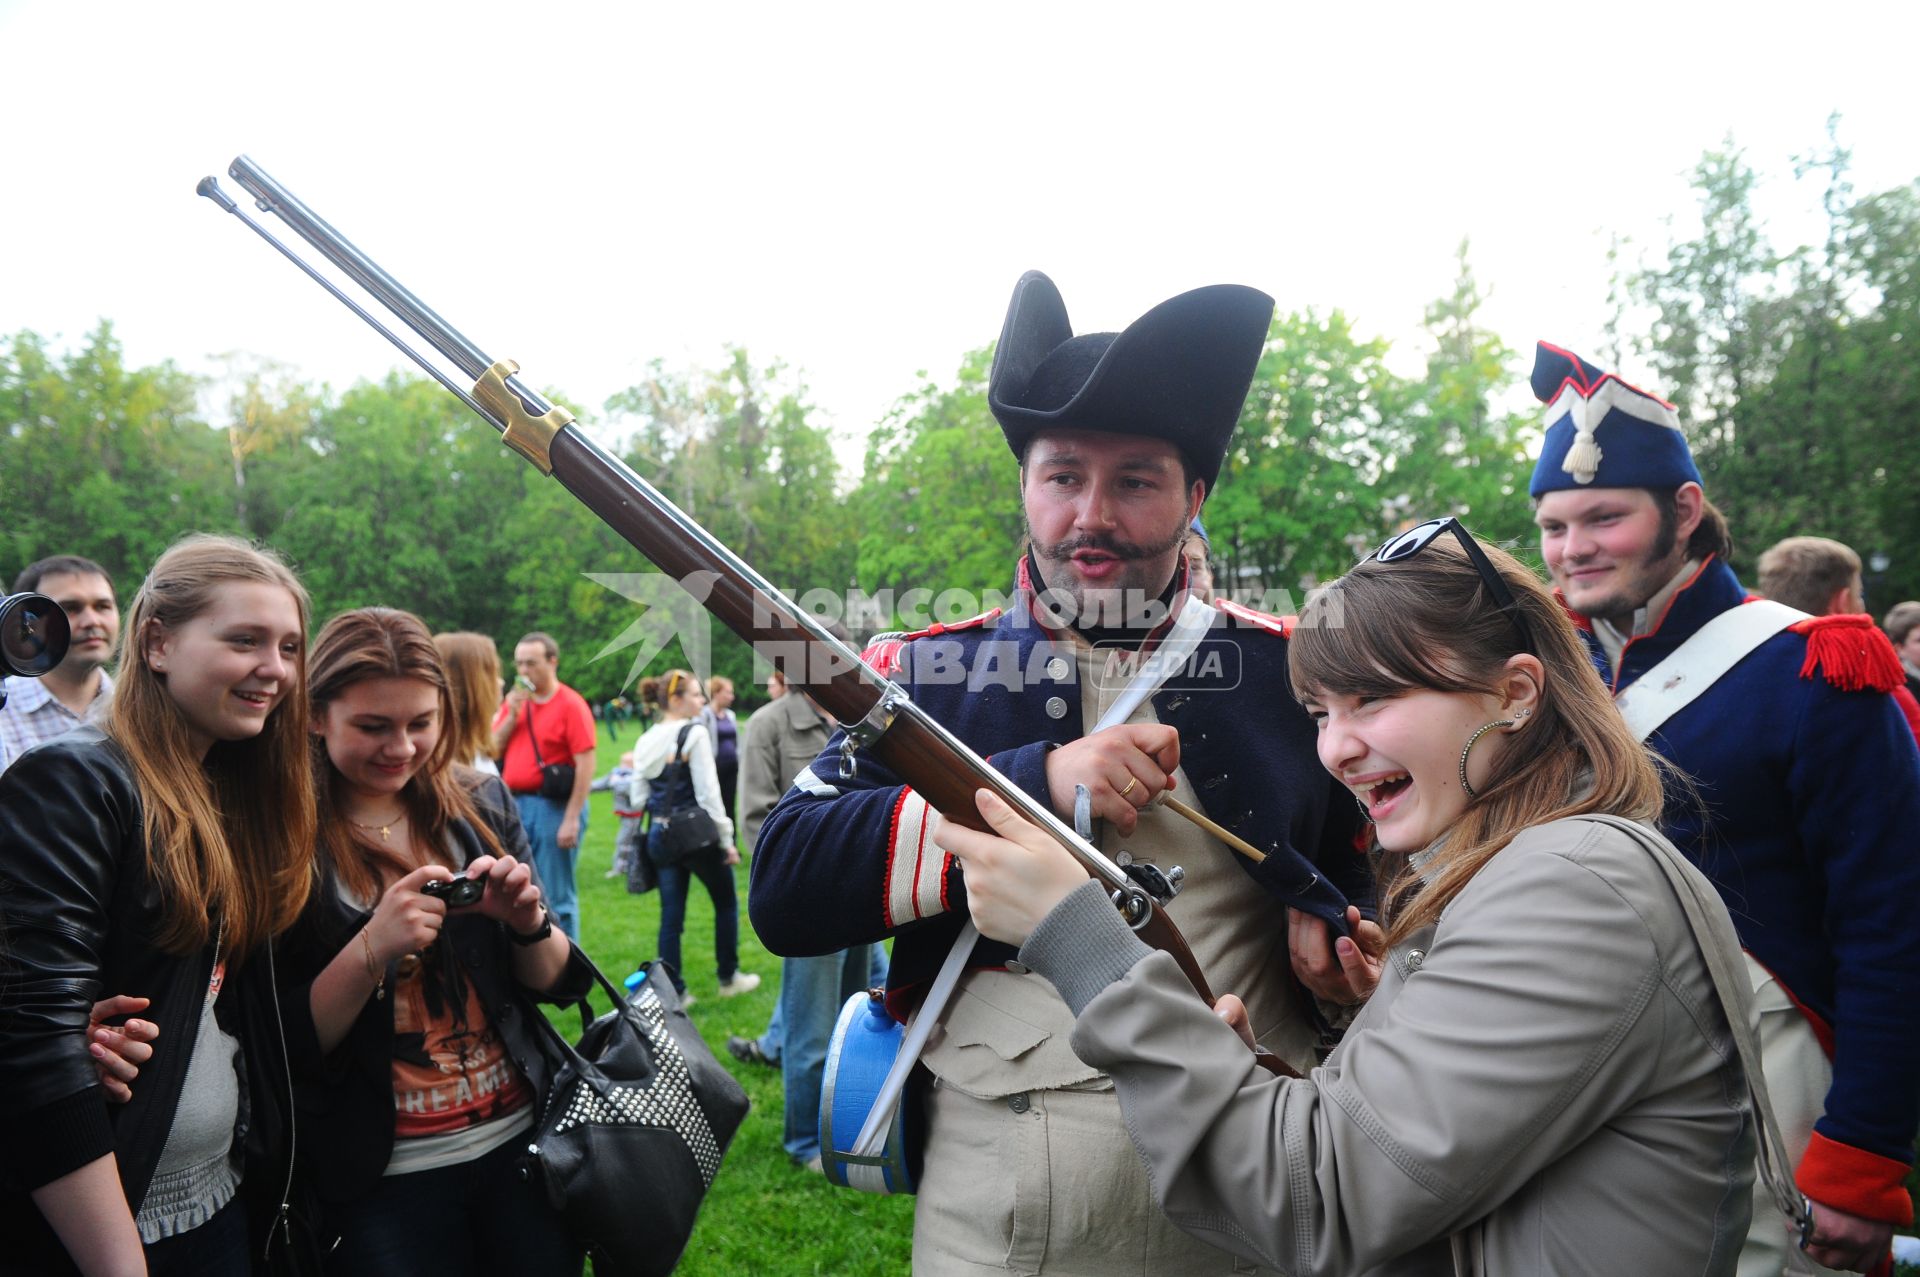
(555, 717)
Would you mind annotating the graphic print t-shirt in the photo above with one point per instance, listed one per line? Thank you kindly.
(456, 1092)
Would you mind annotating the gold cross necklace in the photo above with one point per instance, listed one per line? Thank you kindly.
(384, 826)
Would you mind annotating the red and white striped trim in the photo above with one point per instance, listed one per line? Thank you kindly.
(916, 866)
(1611, 395)
(1281, 625)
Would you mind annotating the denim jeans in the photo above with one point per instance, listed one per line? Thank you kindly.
(675, 881)
(541, 817)
(771, 1039)
(812, 991)
(477, 1217)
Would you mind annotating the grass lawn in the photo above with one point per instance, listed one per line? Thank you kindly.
(763, 1215)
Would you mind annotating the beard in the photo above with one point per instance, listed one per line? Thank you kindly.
(1635, 585)
(1130, 599)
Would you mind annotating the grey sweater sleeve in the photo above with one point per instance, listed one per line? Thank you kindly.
(1083, 946)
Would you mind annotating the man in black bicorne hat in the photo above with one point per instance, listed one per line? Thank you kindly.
(1119, 438)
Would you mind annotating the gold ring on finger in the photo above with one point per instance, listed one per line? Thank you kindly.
(1131, 782)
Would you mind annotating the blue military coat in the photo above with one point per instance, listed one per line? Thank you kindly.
(1805, 813)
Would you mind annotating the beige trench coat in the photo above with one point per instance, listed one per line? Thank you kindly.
(1547, 1069)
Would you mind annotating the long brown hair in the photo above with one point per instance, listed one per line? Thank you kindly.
(1427, 621)
(383, 642)
(231, 838)
(473, 677)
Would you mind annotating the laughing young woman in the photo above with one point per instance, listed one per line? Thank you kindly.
(414, 1039)
(163, 854)
(1543, 1069)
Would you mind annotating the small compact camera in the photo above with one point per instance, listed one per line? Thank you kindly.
(457, 892)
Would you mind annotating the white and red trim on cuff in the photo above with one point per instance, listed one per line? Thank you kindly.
(916, 865)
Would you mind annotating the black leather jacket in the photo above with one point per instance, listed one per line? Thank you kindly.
(345, 1097)
(78, 909)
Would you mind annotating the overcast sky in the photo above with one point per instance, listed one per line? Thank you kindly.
(854, 188)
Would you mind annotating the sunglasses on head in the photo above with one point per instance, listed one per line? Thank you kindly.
(1406, 544)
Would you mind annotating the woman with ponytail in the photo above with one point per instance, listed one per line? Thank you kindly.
(162, 854)
(673, 769)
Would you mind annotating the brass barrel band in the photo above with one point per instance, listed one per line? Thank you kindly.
(530, 436)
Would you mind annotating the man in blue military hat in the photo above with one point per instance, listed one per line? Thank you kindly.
(1804, 802)
(1119, 438)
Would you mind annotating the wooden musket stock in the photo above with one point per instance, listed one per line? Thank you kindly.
(875, 711)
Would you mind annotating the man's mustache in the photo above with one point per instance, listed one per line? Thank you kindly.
(1106, 545)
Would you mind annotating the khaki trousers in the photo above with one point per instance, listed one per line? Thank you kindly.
(1798, 1076)
(1044, 1182)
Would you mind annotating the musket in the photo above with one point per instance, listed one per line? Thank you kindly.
(875, 712)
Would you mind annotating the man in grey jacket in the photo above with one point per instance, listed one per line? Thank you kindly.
(781, 739)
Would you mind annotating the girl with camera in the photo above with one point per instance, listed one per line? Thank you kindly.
(419, 961)
(164, 852)
(1543, 1079)
(675, 775)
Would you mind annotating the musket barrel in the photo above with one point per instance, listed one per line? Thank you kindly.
(339, 250)
(907, 739)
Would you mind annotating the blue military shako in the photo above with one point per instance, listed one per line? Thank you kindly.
(1602, 432)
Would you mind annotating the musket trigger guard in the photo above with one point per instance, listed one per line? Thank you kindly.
(526, 434)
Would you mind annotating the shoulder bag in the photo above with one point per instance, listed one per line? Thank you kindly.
(687, 833)
(556, 779)
(1721, 951)
(634, 1127)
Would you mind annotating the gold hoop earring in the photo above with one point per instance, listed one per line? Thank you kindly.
(1471, 741)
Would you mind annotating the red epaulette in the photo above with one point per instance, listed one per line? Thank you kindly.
(883, 653)
(1851, 652)
(1281, 625)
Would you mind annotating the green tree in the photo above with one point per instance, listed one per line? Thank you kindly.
(1298, 498)
(1790, 369)
(102, 460)
(1875, 363)
(1452, 451)
(1722, 322)
(743, 452)
(939, 506)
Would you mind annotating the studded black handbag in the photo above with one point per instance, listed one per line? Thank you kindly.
(635, 1124)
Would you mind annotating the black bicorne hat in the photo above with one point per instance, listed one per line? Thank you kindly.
(1180, 372)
